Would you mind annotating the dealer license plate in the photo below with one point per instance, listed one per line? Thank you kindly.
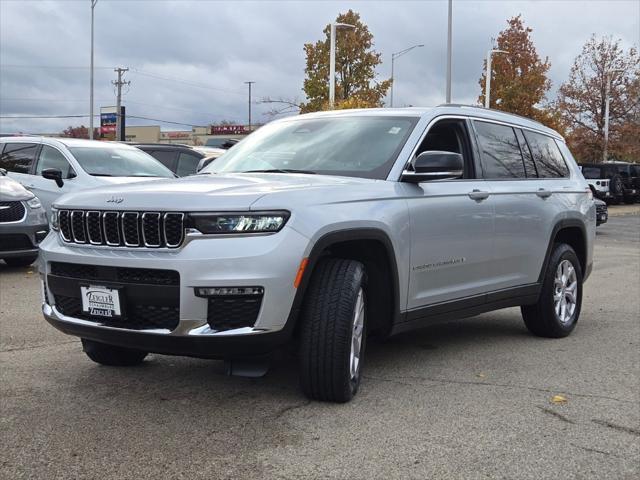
(100, 301)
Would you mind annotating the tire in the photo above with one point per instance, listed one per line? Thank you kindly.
(111, 355)
(616, 186)
(21, 261)
(333, 331)
(541, 318)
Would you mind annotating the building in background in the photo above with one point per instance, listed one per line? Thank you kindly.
(195, 136)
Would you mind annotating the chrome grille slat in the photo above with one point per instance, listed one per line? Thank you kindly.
(111, 226)
(94, 227)
(122, 229)
(151, 229)
(77, 226)
(130, 229)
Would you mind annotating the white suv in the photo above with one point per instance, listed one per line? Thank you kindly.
(320, 230)
(50, 167)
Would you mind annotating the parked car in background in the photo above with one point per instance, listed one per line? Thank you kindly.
(210, 151)
(614, 182)
(602, 212)
(50, 167)
(23, 223)
(180, 159)
(221, 142)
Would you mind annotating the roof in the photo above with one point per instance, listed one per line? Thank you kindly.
(68, 142)
(444, 109)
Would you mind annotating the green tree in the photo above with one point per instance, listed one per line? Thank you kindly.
(519, 82)
(356, 62)
(582, 98)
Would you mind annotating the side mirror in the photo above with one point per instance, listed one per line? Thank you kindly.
(435, 165)
(53, 174)
(204, 162)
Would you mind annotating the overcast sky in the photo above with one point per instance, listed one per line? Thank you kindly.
(188, 59)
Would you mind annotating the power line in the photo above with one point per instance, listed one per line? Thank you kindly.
(52, 67)
(185, 82)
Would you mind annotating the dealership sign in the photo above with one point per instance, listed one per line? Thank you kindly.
(108, 122)
(229, 129)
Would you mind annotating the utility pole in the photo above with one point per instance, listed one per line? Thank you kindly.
(93, 5)
(605, 150)
(449, 52)
(119, 83)
(249, 83)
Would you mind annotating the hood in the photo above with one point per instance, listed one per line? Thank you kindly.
(10, 190)
(122, 180)
(205, 191)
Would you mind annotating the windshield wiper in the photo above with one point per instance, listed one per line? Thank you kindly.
(280, 170)
(101, 175)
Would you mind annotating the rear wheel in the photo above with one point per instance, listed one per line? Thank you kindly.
(111, 355)
(333, 331)
(21, 261)
(558, 308)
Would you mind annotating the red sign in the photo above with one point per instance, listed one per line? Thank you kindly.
(178, 134)
(229, 130)
(108, 129)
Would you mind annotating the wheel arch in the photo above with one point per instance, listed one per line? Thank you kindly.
(374, 249)
(574, 233)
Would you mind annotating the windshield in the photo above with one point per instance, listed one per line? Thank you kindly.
(118, 162)
(350, 146)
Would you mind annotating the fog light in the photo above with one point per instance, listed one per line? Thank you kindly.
(227, 291)
(41, 235)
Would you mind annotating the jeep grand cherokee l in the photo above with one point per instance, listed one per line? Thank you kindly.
(322, 229)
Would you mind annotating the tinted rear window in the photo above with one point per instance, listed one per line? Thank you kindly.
(501, 156)
(546, 156)
(18, 157)
(591, 172)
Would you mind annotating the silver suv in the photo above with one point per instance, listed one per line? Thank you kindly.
(324, 229)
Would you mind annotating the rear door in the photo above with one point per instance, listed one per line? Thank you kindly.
(523, 204)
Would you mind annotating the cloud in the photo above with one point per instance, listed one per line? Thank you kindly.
(189, 59)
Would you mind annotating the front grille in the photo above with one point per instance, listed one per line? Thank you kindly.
(228, 313)
(149, 276)
(15, 241)
(122, 229)
(138, 316)
(11, 211)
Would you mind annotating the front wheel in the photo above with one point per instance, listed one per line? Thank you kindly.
(333, 331)
(557, 311)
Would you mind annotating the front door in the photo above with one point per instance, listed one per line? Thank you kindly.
(451, 226)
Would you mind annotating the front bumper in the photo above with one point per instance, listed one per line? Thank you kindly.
(33, 232)
(268, 261)
(189, 343)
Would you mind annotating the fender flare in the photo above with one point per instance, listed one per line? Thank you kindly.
(339, 236)
(561, 225)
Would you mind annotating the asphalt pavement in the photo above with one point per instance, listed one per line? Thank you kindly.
(472, 398)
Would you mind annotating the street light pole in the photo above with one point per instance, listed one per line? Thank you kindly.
(393, 60)
(487, 77)
(605, 150)
(249, 83)
(332, 61)
(449, 51)
(93, 5)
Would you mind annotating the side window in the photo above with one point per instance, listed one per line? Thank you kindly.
(529, 164)
(18, 157)
(165, 157)
(450, 136)
(546, 156)
(187, 164)
(52, 158)
(499, 151)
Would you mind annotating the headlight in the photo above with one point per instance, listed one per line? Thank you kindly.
(34, 203)
(54, 221)
(258, 222)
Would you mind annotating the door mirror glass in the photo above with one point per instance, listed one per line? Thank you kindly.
(53, 174)
(435, 165)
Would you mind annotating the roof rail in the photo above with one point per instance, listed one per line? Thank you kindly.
(478, 107)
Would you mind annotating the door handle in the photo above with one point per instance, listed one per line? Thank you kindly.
(542, 193)
(478, 195)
